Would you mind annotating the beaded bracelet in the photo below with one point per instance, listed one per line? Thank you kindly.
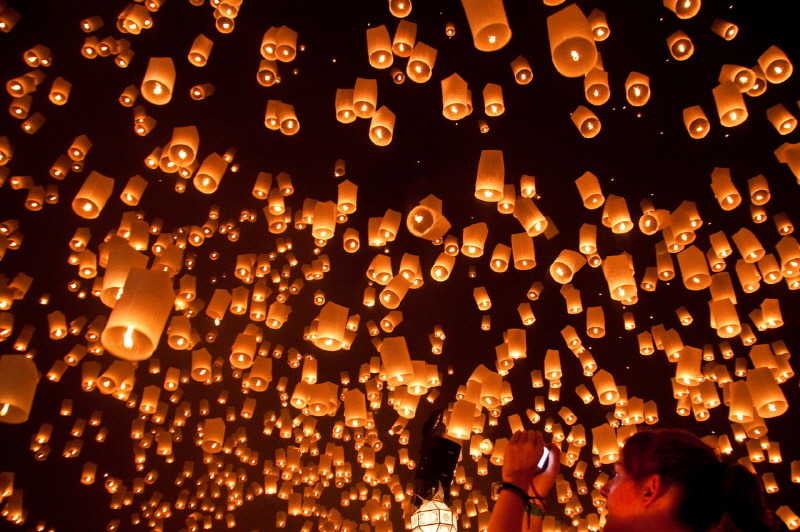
(530, 507)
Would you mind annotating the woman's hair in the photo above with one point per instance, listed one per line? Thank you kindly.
(709, 488)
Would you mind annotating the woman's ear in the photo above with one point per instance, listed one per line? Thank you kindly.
(652, 489)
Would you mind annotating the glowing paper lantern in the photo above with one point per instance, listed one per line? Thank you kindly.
(488, 23)
(139, 316)
(768, 398)
(404, 37)
(730, 104)
(680, 46)
(379, 47)
(595, 87)
(18, 379)
(491, 175)
(420, 63)
(381, 127)
(159, 79)
(572, 45)
(522, 70)
(201, 48)
(775, 65)
(683, 9)
(586, 121)
(210, 173)
(637, 89)
(456, 102)
(92, 196)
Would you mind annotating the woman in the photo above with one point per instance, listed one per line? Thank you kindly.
(666, 481)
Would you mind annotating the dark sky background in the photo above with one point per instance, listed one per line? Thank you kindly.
(641, 153)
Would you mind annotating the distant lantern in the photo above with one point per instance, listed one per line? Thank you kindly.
(491, 175)
(616, 215)
(379, 47)
(493, 100)
(683, 9)
(781, 119)
(768, 398)
(18, 380)
(365, 97)
(159, 79)
(522, 70)
(724, 190)
(723, 28)
(381, 127)
(605, 387)
(586, 121)
(474, 238)
(287, 119)
(133, 19)
(604, 441)
(743, 77)
(184, 145)
(589, 189)
(426, 219)
(730, 104)
(775, 64)
(696, 122)
(201, 48)
(92, 196)
(59, 91)
(210, 173)
(599, 24)
(595, 322)
(566, 265)
(694, 268)
(139, 316)
(285, 44)
(213, 435)
(404, 38)
(400, 8)
(201, 91)
(345, 112)
(680, 46)
(267, 73)
(748, 245)
(595, 87)
(488, 23)
(637, 89)
(420, 63)
(572, 46)
(618, 270)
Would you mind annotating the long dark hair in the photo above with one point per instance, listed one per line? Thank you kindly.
(710, 488)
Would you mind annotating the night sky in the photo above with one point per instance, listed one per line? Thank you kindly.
(642, 154)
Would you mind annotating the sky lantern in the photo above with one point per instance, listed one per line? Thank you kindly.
(139, 315)
(488, 23)
(572, 45)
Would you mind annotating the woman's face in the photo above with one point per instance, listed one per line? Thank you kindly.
(624, 498)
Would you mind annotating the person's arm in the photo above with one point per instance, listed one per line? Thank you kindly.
(540, 487)
(519, 467)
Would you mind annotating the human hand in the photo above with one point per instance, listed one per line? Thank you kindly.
(521, 456)
(543, 482)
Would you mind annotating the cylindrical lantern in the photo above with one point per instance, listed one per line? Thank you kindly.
(572, 45)
(379, 47)
(680, 46)
(488, 23)
(139, 316)
(730, 104)
(92, 196)
(159, 80)
(18, 379)
(381, 127)
(586, 122)
(775, 64)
